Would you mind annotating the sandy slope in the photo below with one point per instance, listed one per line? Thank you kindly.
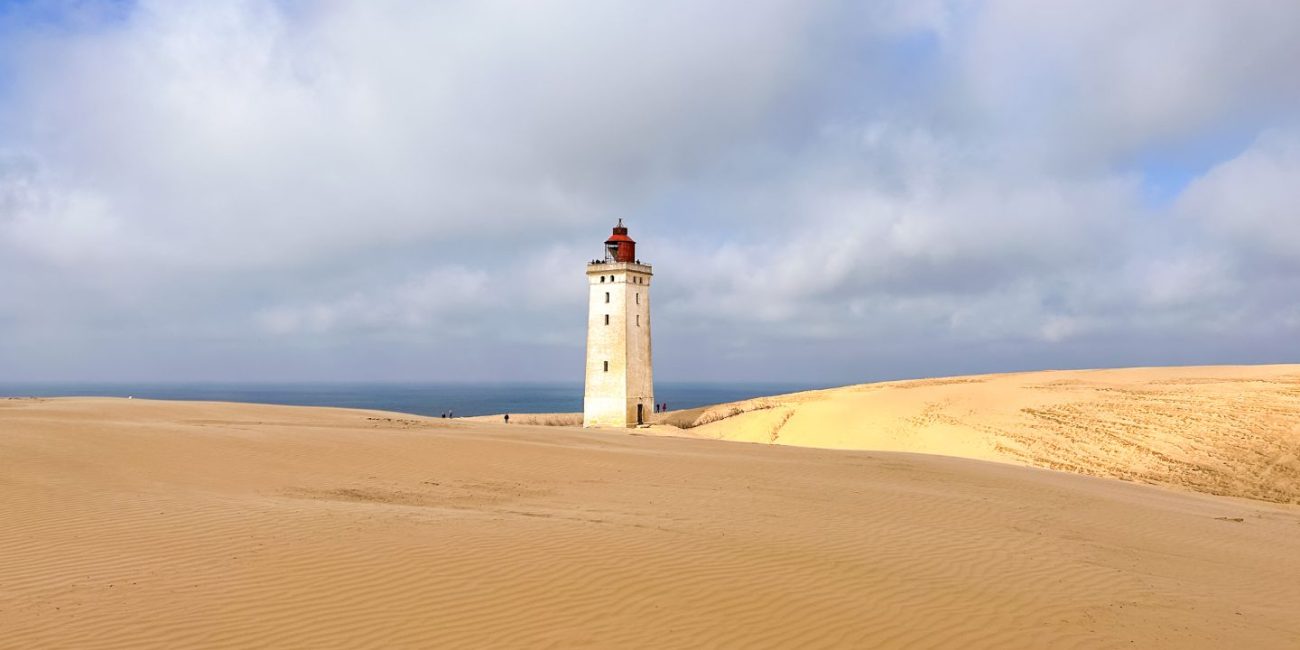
(135, 524)
(1230, 430)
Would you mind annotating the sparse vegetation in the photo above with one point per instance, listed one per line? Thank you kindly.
(709, 414)
(776, 429)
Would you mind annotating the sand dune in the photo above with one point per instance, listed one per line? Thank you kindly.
(1229, 430)
(134, 524)
(544, 419)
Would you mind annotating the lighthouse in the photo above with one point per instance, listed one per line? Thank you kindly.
(620, 382)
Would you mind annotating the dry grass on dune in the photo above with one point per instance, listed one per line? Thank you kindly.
(700, 416)
(132, 524)
(1227, 430)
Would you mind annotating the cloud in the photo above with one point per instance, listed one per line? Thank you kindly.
(1251, 200)
(1106, 80)
(421, 302)
(241, 135)
(341, 189)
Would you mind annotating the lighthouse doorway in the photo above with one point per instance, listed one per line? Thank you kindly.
(640, 413)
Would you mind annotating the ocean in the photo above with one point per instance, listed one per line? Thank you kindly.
(421, 399)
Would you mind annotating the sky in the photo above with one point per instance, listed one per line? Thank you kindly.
(830, 192)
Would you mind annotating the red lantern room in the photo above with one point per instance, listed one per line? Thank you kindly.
(619, 247)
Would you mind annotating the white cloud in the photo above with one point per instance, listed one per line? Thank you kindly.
(349, 177)
(1253, 201)
(1091, 80)
(425, 301)
(239, 136)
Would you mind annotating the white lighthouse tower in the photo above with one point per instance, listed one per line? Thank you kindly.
(620, 383)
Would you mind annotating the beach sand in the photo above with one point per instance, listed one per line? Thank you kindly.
(1229, 430)
(135, 523)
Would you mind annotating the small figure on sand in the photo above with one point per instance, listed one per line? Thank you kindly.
(507, 416)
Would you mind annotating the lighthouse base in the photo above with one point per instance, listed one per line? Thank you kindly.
(615, 412)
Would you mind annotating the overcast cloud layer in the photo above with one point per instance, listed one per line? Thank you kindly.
(830, 192)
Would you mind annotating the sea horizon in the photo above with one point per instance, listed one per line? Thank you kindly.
(418, 398)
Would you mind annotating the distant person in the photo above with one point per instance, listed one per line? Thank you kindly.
(507, 416)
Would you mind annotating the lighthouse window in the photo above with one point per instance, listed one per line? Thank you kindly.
(606, 296)
(602, 278)
(638, 320)
(607, 319)
(606, 366)
(638, 297)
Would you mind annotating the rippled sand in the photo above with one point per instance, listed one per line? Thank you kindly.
(152, 524)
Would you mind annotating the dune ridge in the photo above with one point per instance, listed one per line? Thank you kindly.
(136, 523)
(1226, 430)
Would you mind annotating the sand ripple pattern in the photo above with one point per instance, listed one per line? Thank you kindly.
(148, 524)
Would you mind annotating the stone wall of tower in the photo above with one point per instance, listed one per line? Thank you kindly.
(640, 370)
(618, 334)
